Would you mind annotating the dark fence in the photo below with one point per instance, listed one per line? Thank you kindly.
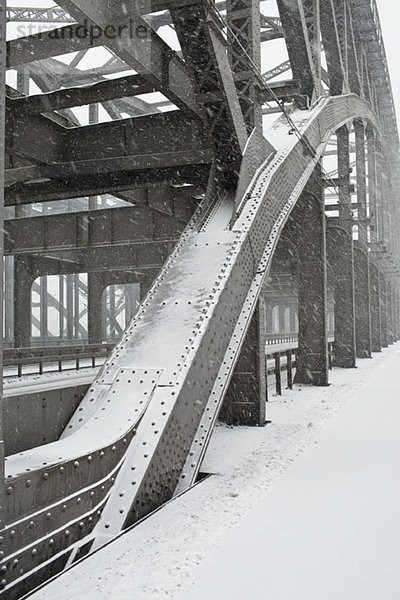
(54, 358)
(280, 358)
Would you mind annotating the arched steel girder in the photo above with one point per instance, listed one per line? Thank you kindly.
(209, 333)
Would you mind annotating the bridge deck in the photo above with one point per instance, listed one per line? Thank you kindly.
(339, 502)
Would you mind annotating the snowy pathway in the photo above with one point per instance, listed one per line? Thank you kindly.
(327, 528)
(330, 528)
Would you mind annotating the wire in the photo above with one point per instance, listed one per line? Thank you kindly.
(256, 71)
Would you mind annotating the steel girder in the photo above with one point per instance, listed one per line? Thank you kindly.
(243, 19)
(140, 433)
(38, 15)
(99, 228)
(2, 161)
(206, 52)
(200, 305)
(150, 56)
(301, 23)
(129, 144)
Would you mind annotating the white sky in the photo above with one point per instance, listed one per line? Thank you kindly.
(389, 12)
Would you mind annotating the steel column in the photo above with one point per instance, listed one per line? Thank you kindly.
(245, 399)
(362, 302)
(341, 256)
(243, 18)
(22, 302)
(2, 143)
(375, 309)
(391, 337)
(361, 182)
(95, 291)
(372, 187)
(307, 227)
(384, 311)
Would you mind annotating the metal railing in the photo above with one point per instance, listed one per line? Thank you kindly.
(54, 358)
(280, 356)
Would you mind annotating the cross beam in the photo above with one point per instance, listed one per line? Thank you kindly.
(140, 47)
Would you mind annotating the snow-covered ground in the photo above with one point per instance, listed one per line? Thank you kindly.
(306, 508)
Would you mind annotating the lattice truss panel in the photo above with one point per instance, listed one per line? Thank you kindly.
(140, 433)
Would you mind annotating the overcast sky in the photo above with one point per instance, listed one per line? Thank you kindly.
(389, 12)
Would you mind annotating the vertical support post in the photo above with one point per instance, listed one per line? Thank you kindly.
(2, 157)
(9, 299)
(69, 280)
(61, 314)
(380, 196)
(289, 369)
(243, 18)
(375, 309)
(389, 305)
(278, 375)
(362, 303)
(383, 305)
(95, 321)
(43, 311)
(341, 258)
(22, 302)
(307, 227)
(361, 259)
(245, 399)
(397, 310)
(112, 312)
(361, 182)
(76, 306)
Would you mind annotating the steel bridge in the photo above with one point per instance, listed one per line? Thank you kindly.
(189, 187)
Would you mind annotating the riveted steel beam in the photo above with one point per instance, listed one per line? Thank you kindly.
(300, 21)
(140, 47)
(206, 51)
(2, 165)
(123, 87)
(139, 136)
(109, 227)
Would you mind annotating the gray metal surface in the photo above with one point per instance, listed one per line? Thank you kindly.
(147, 410)
(138, 436)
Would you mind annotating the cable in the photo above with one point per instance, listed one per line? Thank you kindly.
(302, 138)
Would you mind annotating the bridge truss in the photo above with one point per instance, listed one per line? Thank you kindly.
(158, 149)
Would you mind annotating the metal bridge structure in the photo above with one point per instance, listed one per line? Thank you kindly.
(232, 167)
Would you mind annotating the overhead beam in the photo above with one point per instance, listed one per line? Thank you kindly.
(36, 139)
(37, 15)
(60, 76)
(108, 227)
(278, 70)
(41, 46)
(126, 257)
(153, 134)
(124, 87)
(281, 90)
(140, 47)
(78, 187)
(93, 168)
(298, 44)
